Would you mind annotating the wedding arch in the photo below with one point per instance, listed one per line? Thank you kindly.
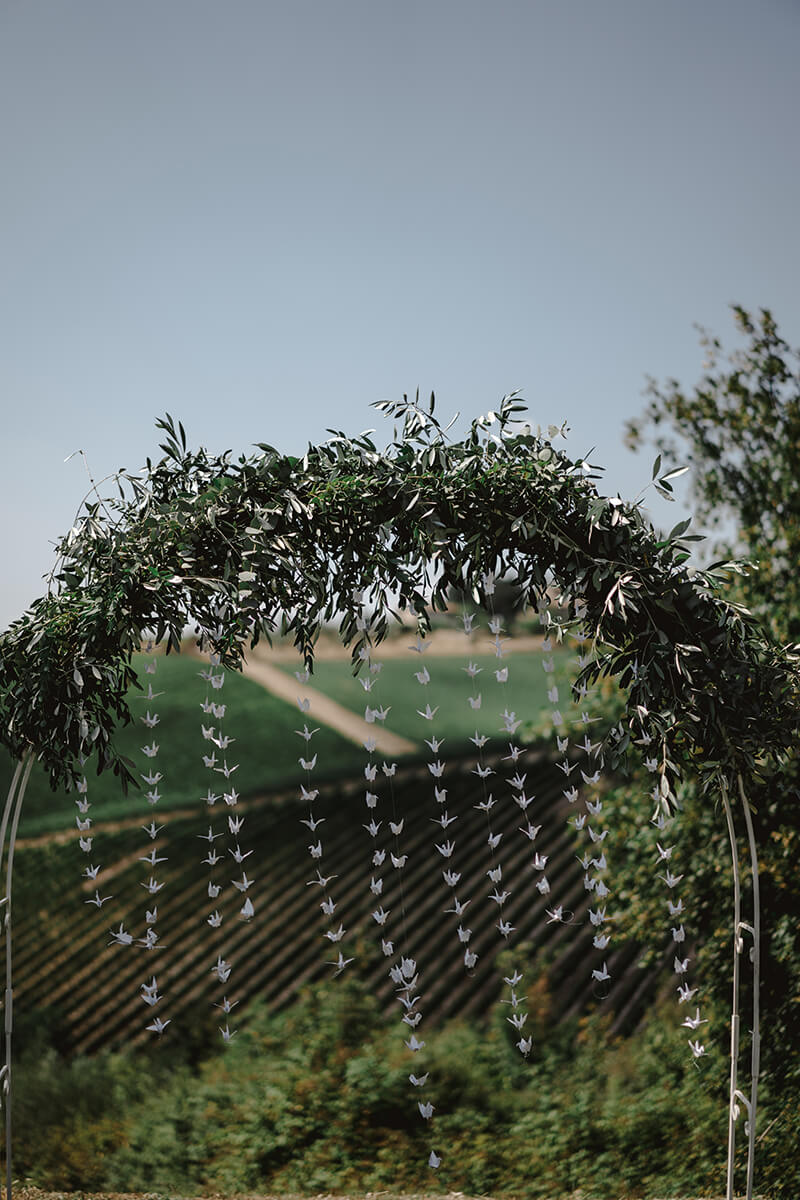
(352, 534)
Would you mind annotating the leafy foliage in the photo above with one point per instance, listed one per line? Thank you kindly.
(315, 1099)
(741, 428)
(272, 540)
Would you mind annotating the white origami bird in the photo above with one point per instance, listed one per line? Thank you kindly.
(340, 963)
(602, 974)
(485, 805)
(152, 830)
(464, 934)
(380, 915)
(685, 993)
(436, 769)
(398, 860)
(335, 935)
(680, 965)
(502, 675)
(215, 920)
(158, 1026)
(213, 890)
(151, 915)
(121, 937)
(419, 1080)
(426, 1110)
(671, 880)
(244, 883)
(226, 1004)
(376, 886)
(451, 878)
(694, 1022)
(239, 855)
(474, 701)
(524, 1045)
(152, 858)
(212, 858)
(221, 969)
(470, 959)
(505, 928)
(601, 940)
(98, 900)
(152, 886)
(306, 733)
(697, 1050)
(85, 844)
(459, 907)
(90, 872)
(308, 764)
(495, 874)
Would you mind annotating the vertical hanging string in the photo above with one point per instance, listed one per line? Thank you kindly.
(309, 794)
(214, 707)
(149, 990)
(593, 806)
(500, 894)
(403, 974)
(663, 822)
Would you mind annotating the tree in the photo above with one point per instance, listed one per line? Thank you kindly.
(741, 428)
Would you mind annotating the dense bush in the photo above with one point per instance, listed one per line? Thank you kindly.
(317, 1099)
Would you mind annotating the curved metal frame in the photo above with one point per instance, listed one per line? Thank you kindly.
(11, 815)
(737, 1097)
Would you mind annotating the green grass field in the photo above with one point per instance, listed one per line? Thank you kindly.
(266, 747)
(525, 692)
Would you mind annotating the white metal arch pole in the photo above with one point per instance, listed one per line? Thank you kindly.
(755, 956)
(11, 813)
(737, 915)
(737, 1097)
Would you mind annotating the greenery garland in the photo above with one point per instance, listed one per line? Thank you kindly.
(241, 548)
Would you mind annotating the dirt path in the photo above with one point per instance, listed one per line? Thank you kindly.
(257, 666)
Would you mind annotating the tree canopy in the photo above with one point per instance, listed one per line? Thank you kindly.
(740, 430)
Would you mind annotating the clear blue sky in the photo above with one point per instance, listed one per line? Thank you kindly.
(262, 217)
